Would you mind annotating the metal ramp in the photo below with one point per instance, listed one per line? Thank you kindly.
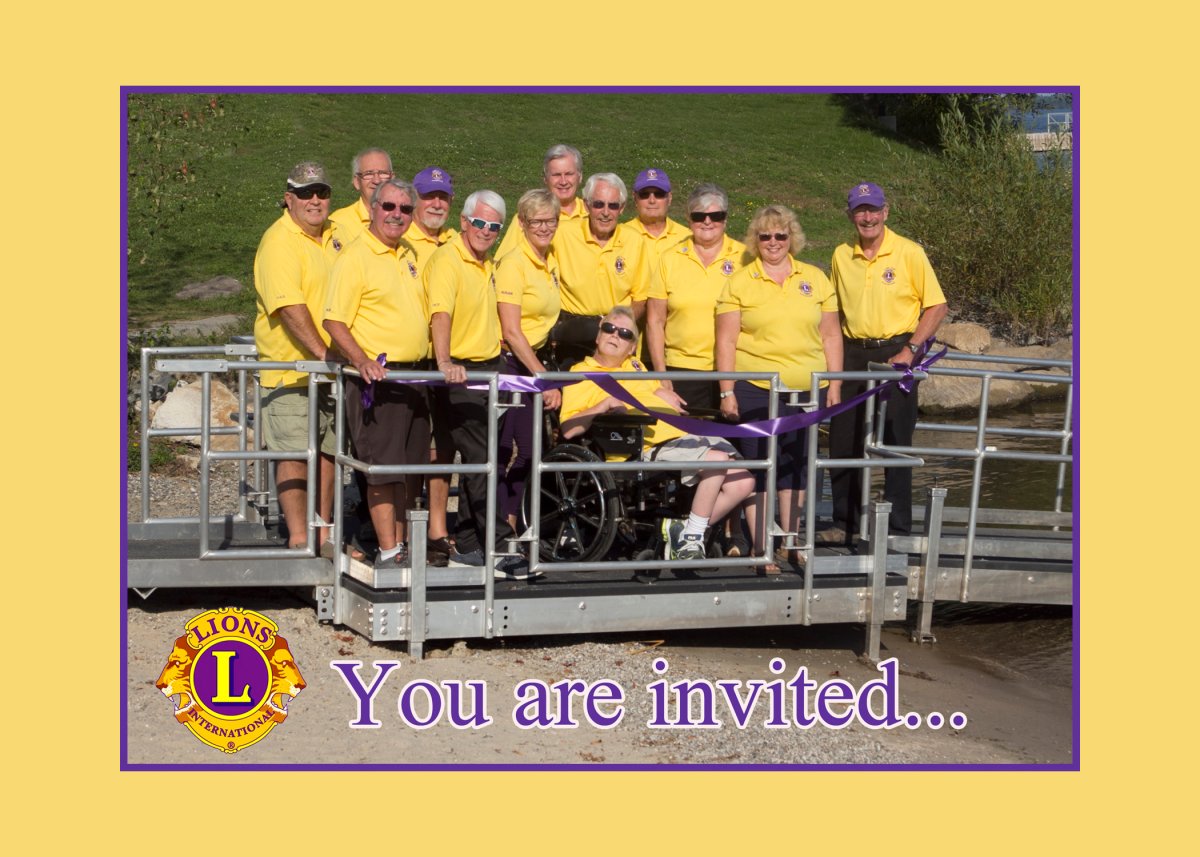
(957, 555)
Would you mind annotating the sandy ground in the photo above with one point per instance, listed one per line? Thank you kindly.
(1013, 718)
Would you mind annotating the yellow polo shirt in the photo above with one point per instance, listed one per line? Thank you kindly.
(377, 292)
(353, 220)
(691, 290)
(656, 245)
(458, 284)
(584, 394)
(525, 280)
(290, 268)
(509, 241)
(883, 297)
(595, 278)
(422, 245)
(779, 323)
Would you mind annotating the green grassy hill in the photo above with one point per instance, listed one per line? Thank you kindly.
(206, 173)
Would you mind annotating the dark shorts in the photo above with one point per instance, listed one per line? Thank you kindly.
(791, 464)
(395, 430)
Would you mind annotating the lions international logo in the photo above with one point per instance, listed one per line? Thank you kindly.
(337, 245)
(233, 676)
(436, 175)
(864, 189)
(727, 268)
(412, 269)
(652, 175)
(889, 275)
(620, 264)
(805, 288)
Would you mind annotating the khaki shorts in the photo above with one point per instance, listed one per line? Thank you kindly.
(285, 419)
(690, 447)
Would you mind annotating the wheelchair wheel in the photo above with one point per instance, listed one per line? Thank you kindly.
(579, 510)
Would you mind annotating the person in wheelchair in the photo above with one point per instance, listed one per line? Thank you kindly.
(717, 493)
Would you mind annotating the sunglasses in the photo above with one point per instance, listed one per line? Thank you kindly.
(392, 206)
(319, 191)
(714, 216)
(623, 332)
(600, 204)
(764, 237)
(479, 223)
(652, 192)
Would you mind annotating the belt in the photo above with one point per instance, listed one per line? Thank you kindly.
(406, 364)
(495, 361)
(879, 343)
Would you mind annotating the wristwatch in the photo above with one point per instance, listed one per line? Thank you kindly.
(725, 394)
(914, 347)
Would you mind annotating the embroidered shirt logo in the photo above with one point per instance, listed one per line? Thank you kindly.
(889, 275)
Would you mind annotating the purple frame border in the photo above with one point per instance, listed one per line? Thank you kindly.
(123, 594)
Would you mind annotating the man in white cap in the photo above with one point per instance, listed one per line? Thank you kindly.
(291, 274)
(891, 303)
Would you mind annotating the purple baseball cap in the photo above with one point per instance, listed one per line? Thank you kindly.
(652, 178)
(867, 193)
(433, 179)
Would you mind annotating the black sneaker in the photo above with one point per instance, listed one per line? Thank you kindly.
(437, 552)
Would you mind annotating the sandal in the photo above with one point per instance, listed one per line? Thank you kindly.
(351, 551)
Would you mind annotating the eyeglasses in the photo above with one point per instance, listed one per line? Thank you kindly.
(714, 216)
(479, 223)
(764, 237)
(652, 192)
(319, 191)
(382, 175)
(623, 332)
(600, 204)
(542, 223)
(392, 206)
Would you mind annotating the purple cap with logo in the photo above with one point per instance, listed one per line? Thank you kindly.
(652, 178)
(432, 180)
(867, 193)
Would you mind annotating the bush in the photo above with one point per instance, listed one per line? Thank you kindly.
(997, 226)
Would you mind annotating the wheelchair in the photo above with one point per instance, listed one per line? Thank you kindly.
(593, 515)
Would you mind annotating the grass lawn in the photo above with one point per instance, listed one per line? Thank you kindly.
(207, 172)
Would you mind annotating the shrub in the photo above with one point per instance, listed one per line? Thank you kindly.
(997, 225)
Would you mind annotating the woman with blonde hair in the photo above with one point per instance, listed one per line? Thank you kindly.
(777, 314)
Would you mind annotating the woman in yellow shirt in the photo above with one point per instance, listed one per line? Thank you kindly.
(776, 315)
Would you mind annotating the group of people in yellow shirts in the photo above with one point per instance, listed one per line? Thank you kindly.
(573, 286)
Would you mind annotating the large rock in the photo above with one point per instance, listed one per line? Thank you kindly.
(181, 410)
(966, 337)
(214, 288)
(947, 394)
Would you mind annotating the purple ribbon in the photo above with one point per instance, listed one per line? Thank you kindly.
(692, 425)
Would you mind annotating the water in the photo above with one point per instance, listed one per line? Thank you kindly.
(1005, 484)
(1031, 641)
